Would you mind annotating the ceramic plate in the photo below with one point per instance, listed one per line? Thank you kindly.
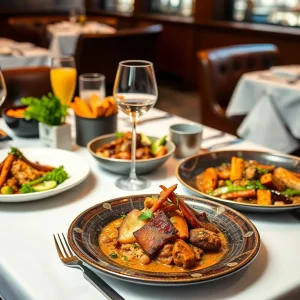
(122, 166)
(190, 167)
(243, 241)
(77, 168)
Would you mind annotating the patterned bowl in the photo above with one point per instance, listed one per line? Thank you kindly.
(243, 242)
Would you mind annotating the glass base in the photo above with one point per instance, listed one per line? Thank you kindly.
(128, 184)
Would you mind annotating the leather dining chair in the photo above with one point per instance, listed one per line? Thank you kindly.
(220, 70)
(25, 82)
(101, 53)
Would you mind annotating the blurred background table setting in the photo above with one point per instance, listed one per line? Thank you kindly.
(271, 102)
(64, 35)
(22, 54)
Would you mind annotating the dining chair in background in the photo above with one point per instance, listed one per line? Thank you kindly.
(220, 70)
(25, 82)
(101, 53)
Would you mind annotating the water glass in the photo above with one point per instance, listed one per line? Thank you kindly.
(91, 84)
(187, 138)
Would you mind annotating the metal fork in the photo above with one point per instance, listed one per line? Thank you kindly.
(70, 260)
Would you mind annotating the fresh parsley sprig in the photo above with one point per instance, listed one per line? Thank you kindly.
(146, 215)
(48, 110)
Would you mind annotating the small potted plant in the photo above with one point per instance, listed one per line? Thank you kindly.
(51, 113)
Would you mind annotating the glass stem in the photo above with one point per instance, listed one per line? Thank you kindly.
(132, 174)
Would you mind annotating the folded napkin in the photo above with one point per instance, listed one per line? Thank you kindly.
(291, 71)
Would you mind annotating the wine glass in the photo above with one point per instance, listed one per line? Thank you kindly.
(3, 91)
(135, 92)
(63, 78)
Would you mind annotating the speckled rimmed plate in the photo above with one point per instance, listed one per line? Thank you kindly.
(188, 169)
(243, 242)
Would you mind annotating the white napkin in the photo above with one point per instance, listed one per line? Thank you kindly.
(265, 115)
(291, 71)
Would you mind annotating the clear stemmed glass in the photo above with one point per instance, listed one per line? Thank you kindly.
(135, 92)
(3, 91)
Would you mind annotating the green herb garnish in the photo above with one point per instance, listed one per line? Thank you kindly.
(147, 214)
(125, 258)
(48, 110)
(261, 170)
(113, 255)
(291, 192)
(123, 216)
(59, 175)
(120, 134)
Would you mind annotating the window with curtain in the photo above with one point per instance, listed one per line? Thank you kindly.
(279, 12)
(172, 7)
(119, 5)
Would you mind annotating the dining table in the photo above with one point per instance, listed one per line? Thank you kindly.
(30, 268)
(64, 35)
(15, 54)
(270, 101)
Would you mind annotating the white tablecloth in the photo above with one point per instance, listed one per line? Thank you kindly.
(272, 105)
(64, 35)
(18, 55)
(31, 269)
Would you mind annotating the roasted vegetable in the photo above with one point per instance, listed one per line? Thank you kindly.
(264, 197)
(270, 168)
(272, 182)
(59, 175)
(6, 168)
(210, 179)
(287, 178)
(190, 215)
(279, 197)
(237, 168)
(180, 224)
(130, 224)
(239, 194)
(291, 193)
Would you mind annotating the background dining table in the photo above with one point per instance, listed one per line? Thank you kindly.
(271, 103)
(18, 54)
(64, 35)
(30, 267)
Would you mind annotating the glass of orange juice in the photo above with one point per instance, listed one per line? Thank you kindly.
(63, 77)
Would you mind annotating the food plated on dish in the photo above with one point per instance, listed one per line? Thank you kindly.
(29, 174)
(113, 152)
(15, 120)
(20, 175)
(244, 179)
(164, 239)
(146, 147)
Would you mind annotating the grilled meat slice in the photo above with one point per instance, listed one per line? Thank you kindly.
(205, 239)
(183, 255)
(155, 234)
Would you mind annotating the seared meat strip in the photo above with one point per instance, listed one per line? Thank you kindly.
(155, 234)
(205, 239)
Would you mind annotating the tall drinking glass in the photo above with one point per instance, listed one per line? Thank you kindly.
(63, 78)
(135, 92)
(3, 91)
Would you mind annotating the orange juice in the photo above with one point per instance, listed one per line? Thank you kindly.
(63, 81)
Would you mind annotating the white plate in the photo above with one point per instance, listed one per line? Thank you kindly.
(77, 168)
